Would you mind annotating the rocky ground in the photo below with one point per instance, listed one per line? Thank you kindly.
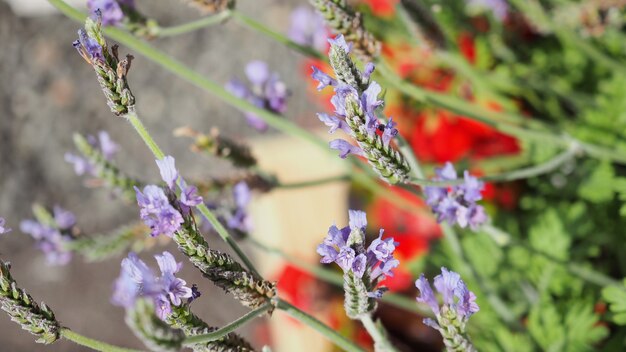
(47, 92)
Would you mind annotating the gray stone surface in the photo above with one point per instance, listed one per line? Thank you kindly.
(47, 92)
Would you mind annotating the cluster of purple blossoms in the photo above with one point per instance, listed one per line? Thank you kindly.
(160, 211)
(3, 228)
(308, 28)
(239, 219)
(346, 247)
(52, 236)
(112, 11)
(367, 100)
(457, 204)
(102, 143)
(499, 8)
(459, 304)
(266, 91)
(137, 280)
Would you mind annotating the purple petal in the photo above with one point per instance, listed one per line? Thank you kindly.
(258, 72)
(345, 148)
(426, 294)
(324, 79)
(447, 284)
(167, 168)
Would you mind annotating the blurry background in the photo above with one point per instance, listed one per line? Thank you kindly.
(47, 92)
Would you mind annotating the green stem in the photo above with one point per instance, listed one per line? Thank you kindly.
(334, 278)
(322, 328)
(503, 239)
(381, 343)
(519, 174)
(202, 208)
(311, 183)
(91, 343)
(193, 25)
(217, 334)
(279, 37)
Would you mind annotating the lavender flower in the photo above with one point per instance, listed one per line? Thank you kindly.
(457, 205)
(240, 220)
(52, 233)
(138, 280)
(3, 228)
(356, 103)
(111, 11)
(157, 212)
(363, 268)
(459, 304)
(308, 28)
(266, 91)
(499, 8)
(103, 144)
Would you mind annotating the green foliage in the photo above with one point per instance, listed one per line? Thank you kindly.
(616, 297)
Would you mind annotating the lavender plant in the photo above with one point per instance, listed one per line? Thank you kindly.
(534, 253)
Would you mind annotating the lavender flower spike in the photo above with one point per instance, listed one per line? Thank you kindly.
(459, 304)
(266, 91)
(3, 228)
(51, 232)
(156, 211)
(457, 205)
(364, 269)
(357, 107)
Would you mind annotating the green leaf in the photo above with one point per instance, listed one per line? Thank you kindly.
(599, 187)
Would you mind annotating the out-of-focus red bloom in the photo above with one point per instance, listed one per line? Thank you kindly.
(413, 229)
(441, 136)
(383, 8)
(467, 47)
(297, 287)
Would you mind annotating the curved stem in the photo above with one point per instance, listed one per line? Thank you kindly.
(322, 328)
(91, 343)
(311, 183)
(193, 25)
(217, 334)
(279, 37)
(202, 208)
(380, 341)
(519, 174)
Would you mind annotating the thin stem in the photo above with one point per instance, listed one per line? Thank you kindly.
(217, 334)
(193, 25)
(504, 239)
(334, 278)
(322, 328)
(311, 183)
(380, 341)
(280, 38)
(202, 208)
(519, 174)
(91, 343)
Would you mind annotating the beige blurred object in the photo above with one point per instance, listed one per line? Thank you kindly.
(31, 8)
(297, 220)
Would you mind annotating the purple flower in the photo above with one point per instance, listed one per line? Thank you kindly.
(345, 148)
(352, 257)
(174, 287)
(308, 28)
(167, 168)
(266, 91)
(456, 296)
(389, 132)
(340, 42)
(88, 47)
(334, 123)
(64, 219)
(240, 220)
(137, 280)
(110, 10)
(499, 8)
(457, 205)
(324, 79)
(156, 211)
(3, 228)
(189, 195)
(50, 240)
(426, 294)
